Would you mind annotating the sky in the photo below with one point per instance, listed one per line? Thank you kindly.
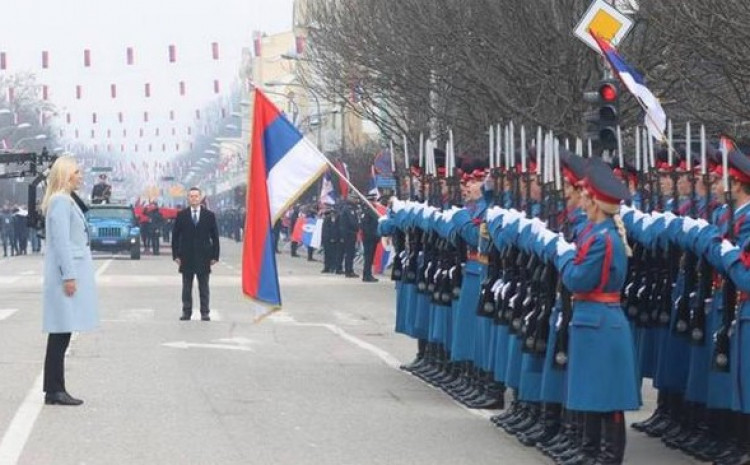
(108, 28)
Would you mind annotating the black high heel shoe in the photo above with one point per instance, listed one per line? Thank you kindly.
(61, 398)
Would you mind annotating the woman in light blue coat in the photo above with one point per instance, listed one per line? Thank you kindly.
(70, 301)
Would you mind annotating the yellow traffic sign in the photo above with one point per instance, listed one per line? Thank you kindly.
(605, 21)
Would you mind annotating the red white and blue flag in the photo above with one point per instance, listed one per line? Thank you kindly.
(655, 119)
(328, 193)
(283, 164)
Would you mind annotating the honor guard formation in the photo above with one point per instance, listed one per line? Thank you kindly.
(561, 283)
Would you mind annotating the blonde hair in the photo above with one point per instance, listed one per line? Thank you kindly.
(58, 180)
(614, 211)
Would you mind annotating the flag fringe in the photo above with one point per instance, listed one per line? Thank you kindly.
(270, 308)
(296, 196)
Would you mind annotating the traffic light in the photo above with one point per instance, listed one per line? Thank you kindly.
(604, 119)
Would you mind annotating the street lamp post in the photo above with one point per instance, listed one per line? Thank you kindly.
(314, 96)
(296, 107)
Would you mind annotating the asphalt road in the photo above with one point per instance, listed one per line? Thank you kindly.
(317, 383)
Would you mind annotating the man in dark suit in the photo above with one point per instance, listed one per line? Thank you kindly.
(370, 238)
(195, 248)
(349, 224)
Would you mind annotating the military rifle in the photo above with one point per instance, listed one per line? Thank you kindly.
(697, 324)
(690, 260)
(551, 282)
(720, 358)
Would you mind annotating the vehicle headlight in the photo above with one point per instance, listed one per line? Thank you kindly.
(135, 231)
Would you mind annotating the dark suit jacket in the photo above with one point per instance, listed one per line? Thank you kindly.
(195, 245)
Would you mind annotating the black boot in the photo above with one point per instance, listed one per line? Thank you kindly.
(432, 365)
(507, 413)
(462, 369)
(519, 416)
(667, 421)
(740, 454)
(613, 439)
(658, 414)
(493, 399)
(562, 435)
(590, 440)
(534, 411)
(421, 345)
(546, 429)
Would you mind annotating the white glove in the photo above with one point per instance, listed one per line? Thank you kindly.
(448, 214)
(668, 218)
(493, 213)
(688, 224)
(383, 219)
(648, 220)
(701, 223)
(523, 222)
(537, 226)
(547, 236)
(563, 247)
(397, 205)
(638, 215)
(625, 209)
(511, 217)
(727, 247)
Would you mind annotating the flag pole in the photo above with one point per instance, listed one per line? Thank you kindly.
(662, 137)
(347, 181)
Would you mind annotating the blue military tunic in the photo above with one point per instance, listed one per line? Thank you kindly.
(554, 379)
(601, 365)
(389, 225)
(466, 223)
(730, 390)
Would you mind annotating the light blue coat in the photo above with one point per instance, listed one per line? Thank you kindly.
(68, 256)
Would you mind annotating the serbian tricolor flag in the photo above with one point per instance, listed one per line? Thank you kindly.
(656, 119)
(283, 164)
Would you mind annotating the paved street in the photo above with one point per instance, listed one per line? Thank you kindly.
(315, 384)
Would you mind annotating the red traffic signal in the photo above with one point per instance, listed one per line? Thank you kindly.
(608, 92)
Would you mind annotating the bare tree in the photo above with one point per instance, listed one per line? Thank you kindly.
(414, 66)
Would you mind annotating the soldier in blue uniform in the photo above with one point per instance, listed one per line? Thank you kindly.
(600, 338)
(466, 223)
(732, 262)
(549, 433)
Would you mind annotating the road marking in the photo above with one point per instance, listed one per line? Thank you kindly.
(238, 340)
(383, 355)
(20, 427)
(7, 312)
(27, 273)
(9, 279)
(18, 432)
(386, 357)
(215, 315)
(191, 345)
(103, 268)
(137, 314)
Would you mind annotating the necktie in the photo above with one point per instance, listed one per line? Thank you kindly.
(195, 217)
